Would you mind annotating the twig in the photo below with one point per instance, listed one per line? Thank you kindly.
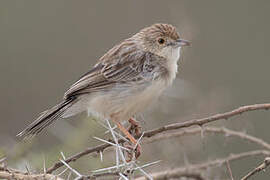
(194, 131)
(8, 174)
(200, 122)
(182, 171)
(187, 175)
(261, 167)
(104, 174)
(229, 169)
(78, 155)
(208, 130)
(174, 126)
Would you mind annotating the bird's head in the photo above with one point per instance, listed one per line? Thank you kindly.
(162, 40)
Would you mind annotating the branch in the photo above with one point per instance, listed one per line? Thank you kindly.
(261, 167)
(229, 169)
(199, 122)
(191, 168)
(78, 155)
(173, 175)
(9, 174)
(223, 130)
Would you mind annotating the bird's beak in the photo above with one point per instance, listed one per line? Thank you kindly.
(182, 42)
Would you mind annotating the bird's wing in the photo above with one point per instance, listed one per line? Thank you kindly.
(135, 67)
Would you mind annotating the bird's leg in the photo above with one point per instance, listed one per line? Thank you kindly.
(130, 137)
(134, 127)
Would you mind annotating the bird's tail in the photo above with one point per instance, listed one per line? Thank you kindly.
(46, 118)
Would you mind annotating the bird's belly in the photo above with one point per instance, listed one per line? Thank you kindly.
(125, 103)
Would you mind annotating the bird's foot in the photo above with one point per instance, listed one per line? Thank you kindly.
(134, 128)
(134, 153)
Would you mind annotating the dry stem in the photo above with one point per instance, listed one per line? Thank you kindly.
(194, 168)
(215, 130)
(198, 122)
(10, 174)
(261, 167)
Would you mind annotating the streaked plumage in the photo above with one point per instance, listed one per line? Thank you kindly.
(124, 81)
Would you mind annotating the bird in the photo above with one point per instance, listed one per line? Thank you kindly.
(123, 82)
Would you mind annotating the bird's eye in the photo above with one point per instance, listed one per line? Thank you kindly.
(161, 41)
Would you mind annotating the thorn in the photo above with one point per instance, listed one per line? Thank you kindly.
(108, 142)
(114, 127)
(147, 175)
(146, 165)
(116, 141)
(101, 156)
(44, 165)
(117, 157)
(138, 141)
(108, 168)
(62, 172)
(124, 177)
(186, 161)
(69, 167)
(202, 131)
(26, 167)
(3, 159)
(69, 175)
(63, 156)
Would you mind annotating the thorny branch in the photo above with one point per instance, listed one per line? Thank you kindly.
(202, 166)
(189, 123)
(215, 130)
(192, 171)
(201, 122)
(170, 174)
(229, 169)
(14, 174)
(261, 167)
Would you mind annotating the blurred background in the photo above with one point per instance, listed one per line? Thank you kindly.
(47, 45)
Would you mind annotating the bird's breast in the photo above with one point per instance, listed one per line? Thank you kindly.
(126, 101)
(172, 66)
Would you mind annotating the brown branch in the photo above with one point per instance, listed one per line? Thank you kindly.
(197, 131)
(96, 176)
(261, 167)
(174, 126)
(10, 174)
(171, 174)
(203, 166)
(223, 130)
(202, 121)
(229, 169)
(78, 155)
